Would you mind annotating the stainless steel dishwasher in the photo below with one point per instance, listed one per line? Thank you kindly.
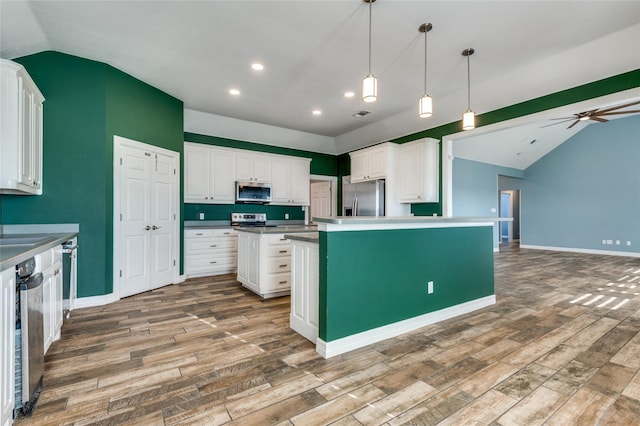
(32, 332)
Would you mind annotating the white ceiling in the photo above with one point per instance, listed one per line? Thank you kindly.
(314, 51)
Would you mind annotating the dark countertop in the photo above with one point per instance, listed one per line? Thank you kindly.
(11, 255)
(311, 237)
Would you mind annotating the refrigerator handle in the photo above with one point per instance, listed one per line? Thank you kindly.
(355, 206)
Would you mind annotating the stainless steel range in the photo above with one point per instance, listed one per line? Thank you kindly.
(248, 219)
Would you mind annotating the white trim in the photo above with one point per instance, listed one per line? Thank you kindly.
(580, 250)
(90, 302)
(365, 338)
(447, 178)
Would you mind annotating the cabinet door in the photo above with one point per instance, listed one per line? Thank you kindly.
(280, 181)
(27, 142)
(7, 345)
(411, 182)
(196, 174)
(299, 182)
(244, 166)
(243, 256)
(377, 163)
(223, 175)
(56, 305)
(358, 167)
(47, 302)
(253, 260)
(262, 168)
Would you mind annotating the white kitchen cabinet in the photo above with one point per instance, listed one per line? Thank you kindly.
(304, 288)
(253, 167)
(371, 163)
(49, 263)
(21, 118)
(418, 171)
(290, 181)
(210, 174)
(264, 263)
(210, 252)
(7, 345)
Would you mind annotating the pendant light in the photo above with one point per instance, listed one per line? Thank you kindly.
(469, 117)
(425, 104)
(370, 82)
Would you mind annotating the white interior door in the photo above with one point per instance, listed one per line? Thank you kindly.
(320, 199)
(146, 208)
(135, 226)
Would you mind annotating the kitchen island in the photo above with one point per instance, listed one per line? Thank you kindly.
(379, 277)
(264, 258)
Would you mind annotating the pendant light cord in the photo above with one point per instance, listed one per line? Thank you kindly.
(468, 83)
(370, 1)
(425, 60)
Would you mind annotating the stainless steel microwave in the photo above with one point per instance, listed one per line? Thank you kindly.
(253, 192)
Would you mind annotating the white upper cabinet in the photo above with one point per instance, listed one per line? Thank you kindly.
(370, 163)
(290, 181)
(20, 131)
(418, 171)
(209, 174)
(253, 167)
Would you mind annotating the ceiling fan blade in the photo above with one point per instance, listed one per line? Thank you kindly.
(635, 111)
(598, 119)
(573, 124)
(617, 107)
(559, 122)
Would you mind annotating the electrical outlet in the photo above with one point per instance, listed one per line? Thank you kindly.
(609, 242)
(628, 243)
(201, 216)
(286, 215)
(604, 242)
(430, 287)
(617, 242)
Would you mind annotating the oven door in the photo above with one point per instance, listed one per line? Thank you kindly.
(253, 192)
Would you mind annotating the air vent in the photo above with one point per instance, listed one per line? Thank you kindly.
(361, 113)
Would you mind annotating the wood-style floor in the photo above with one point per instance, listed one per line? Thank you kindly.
(560, 347)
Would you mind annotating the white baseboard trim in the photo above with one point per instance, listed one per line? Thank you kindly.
(579, 250)
(89, 302)
(365, 338)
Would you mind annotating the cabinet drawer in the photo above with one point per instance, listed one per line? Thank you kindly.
(210, 244)
(198, 263)
(278, 250)
(278, 282)
(277, 239)
(206, 233)
(278, 264)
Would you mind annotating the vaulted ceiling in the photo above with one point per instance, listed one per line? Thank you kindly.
(315, 51)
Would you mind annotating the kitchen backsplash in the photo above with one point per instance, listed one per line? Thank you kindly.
(223, 211)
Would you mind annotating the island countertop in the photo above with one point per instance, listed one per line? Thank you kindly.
(311, 237)
(349, 223)
(11, 255)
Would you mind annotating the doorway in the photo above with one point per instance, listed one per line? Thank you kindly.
(509, 203)
(145, 206)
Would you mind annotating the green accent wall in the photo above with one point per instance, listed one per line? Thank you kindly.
(369, 279)
(87, 103)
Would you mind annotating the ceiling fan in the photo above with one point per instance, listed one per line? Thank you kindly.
(596, 115)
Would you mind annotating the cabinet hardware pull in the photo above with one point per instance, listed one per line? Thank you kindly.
(282, 251)
(200, 233)
(283, 266)
(282, 282)
(213, 261)
(283, 239)
(227, 233)
(213, 245)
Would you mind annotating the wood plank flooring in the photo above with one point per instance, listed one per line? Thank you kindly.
(560, 347)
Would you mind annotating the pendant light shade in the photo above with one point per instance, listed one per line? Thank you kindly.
(370, 82)
(469, 117)
(425, 104)
(370, 88)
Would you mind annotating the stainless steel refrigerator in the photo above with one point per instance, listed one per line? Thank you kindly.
(362, 199)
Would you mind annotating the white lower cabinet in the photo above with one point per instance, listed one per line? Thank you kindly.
(304, 288)
(264, 263)
(7, 345)
(210, 252)
(50, 263)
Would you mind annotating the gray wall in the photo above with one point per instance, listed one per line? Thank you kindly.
(586, 190)
(475, 189)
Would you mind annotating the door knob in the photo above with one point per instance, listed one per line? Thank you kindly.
(156, 227)
(146, 228)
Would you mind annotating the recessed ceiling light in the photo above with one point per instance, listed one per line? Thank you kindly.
(316, 112)
(349, 94)
(256, 66)
(234, 92)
